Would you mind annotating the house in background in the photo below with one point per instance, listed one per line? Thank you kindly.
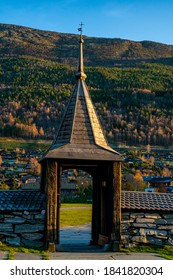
(158, 183)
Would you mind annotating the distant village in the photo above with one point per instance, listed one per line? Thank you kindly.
(20, 170)
(143, 170)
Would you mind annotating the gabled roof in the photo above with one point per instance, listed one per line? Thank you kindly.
(80, 135)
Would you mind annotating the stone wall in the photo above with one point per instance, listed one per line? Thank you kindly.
(146, 228)
(27, 228)
(23, 228)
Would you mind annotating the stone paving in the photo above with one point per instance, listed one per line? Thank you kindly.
(84, 256)
(3, 255)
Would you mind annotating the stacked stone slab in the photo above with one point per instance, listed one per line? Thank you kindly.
(23, 228)
(146, 228)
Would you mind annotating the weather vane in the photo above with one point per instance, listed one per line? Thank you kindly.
(80, 29)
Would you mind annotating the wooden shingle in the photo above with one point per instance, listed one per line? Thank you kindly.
(80, 135)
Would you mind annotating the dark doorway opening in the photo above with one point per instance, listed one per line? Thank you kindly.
(76, 210)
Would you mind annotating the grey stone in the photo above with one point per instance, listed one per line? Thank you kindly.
(40, 217)
(32, 222)
(144, 232)
(125, 226)
(169, 221)
(169, 241)
(130, 220)
(161, 222)
(26, 213)
(168, 216)
(152, 216)
(17, 213)
(6, 227)
(150, 232)
(144, 220)
(1, 216)
(154, 240)
(143, 225)
(13, 241)
(165, 227)
(29, 216)
(8, 216)
(125, 222)
(135, 215)
(33, 236)
(15, 220)
(124, 237)
(160, 233)
(128, 245)
(139, 239)
(29, 228)
(29, 243)
(124, 231)
(163, 237)
(125, 215)
(43, 212)
(8, 234)
(133, 231)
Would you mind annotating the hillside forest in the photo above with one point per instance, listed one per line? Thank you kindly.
(134, 101)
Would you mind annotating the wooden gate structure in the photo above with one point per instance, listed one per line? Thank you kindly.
(80, 143)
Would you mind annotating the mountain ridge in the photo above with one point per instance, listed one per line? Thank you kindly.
(131, 85)
(63, 48)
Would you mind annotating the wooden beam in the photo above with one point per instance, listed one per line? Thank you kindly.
(116, 213)
(95, 208)
(51, 189)
(43, 176)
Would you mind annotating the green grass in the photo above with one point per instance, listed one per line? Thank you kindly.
(20, 249)
(163, 251)
(75, 205)
(10, 143)
(75, 214)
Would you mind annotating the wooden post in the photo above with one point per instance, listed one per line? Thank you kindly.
(103, 199)
(95, 209)
(51, 186)
(43, 177)
(59, 171)
(116, 211)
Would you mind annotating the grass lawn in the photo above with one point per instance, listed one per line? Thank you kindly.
(163, 251)
(12, 143)
(75, 214)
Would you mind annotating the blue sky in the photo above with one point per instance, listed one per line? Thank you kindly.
(127, 19)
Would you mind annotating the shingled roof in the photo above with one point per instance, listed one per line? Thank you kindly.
(147, 201)
(21, 200)
(80, 135)
(35, 200)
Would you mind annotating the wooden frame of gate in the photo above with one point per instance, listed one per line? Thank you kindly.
(106, 206)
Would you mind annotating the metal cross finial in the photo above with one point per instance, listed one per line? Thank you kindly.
(80, 29)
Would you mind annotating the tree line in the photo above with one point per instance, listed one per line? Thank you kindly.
(135, 105)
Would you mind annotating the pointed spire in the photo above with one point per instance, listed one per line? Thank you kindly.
(80, 71)
(80, 135)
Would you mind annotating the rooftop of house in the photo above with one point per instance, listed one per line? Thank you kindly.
(158, 179)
